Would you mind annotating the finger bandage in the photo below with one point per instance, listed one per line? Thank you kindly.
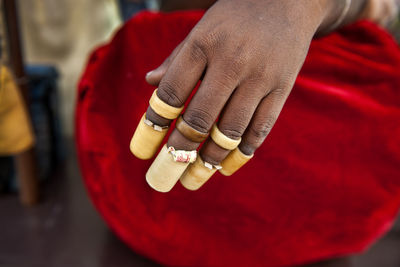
(223, 140)
(162, 108)
(147, 138)
(182, 155)
(189, 132)
(198, 174)
(167, 168)
(233, 162)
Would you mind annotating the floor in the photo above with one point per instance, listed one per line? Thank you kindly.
(65, 230)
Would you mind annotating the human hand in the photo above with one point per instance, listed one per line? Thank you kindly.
(248, 54)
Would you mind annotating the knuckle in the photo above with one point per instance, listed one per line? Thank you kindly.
(232, 133)
(234, 66)
(234, 129)
(238, 61)
(286, 80)
(261, 130)
(200, 42)
(225, 83)
(279, 93)
(247, 148)
(198, 48)
(206, 41)
(259, 133)
(262, 75)
(199, 119)
(268, 124)
(167, 92)
(261, 86)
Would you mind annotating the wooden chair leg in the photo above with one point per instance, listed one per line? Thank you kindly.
(25, 161)
(28, 183)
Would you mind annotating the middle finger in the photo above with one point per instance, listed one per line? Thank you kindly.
(200, 115)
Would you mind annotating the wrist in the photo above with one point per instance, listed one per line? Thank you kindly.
(323, 14)
(317, 15)
(339, 13)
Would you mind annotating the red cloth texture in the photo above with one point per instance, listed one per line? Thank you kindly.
(325, 183)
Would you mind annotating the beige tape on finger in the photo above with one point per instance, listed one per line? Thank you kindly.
(167, 169)
(197, 174)
(163, 109)
(189, 132)
(223, 140)
(147, 139)
(233, 162)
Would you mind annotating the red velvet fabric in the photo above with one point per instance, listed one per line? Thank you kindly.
(325, 183)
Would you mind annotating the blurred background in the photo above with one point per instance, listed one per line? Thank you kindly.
(46, 218)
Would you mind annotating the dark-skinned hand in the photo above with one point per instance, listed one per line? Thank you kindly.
(248, 54)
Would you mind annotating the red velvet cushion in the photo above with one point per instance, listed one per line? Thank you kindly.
(325, 183)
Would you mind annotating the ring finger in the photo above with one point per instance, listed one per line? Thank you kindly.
(233, 122)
